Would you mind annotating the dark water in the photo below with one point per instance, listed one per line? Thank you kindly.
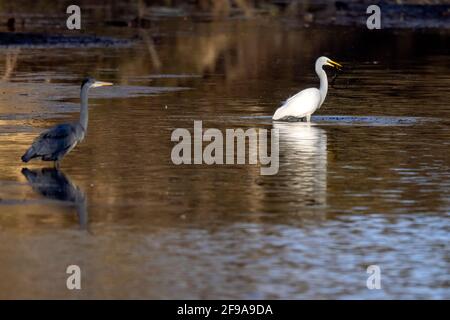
(367, 183)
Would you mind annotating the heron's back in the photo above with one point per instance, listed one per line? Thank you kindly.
(54, 143)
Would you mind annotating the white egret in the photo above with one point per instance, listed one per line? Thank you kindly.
(307, 101)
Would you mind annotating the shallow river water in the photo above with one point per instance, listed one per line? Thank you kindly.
(367, 183)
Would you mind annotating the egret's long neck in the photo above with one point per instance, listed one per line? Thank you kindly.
(323, 83)
(84, 116)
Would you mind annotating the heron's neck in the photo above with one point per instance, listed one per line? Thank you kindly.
(323, 83)
(84, 116)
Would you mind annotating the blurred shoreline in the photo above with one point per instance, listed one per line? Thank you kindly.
(49, 17)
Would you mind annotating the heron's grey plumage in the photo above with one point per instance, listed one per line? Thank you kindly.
(53, 144)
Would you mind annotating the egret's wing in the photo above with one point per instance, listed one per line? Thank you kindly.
(303, 103)
(291, 98)
(56, 139)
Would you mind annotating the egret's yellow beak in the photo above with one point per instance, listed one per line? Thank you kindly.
(334, 64)
(101, 84)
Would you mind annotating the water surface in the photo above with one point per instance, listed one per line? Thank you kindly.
(367, 183)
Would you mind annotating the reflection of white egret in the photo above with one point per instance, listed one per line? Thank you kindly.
(307, 101)
(303, 159)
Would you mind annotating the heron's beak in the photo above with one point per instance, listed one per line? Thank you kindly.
(101, 84)
(334, 64)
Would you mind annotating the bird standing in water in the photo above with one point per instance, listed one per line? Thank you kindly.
(53, 144)
(306, 102)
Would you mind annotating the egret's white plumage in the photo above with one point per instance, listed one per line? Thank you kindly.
(306, 102)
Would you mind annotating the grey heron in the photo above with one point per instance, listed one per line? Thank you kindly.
(307, 101)
(53, 144)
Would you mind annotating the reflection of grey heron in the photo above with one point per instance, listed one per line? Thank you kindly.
(53, 144)
(54, 184)
(307, 101)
